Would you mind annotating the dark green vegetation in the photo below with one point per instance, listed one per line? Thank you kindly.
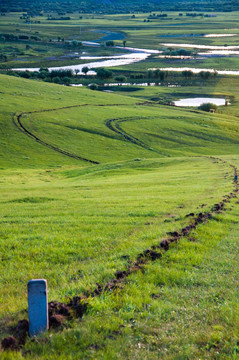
(78, 223)
(158, 77)
(208, 107)
(116, 6)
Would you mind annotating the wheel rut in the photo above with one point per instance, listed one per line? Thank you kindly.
(53, 147)
(17, 120)
(112, 124)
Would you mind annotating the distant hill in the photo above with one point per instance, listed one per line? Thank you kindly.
(118, 6)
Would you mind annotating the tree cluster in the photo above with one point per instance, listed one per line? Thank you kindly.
(116, 6)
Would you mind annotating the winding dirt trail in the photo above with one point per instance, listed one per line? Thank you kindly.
(111, 124)
(79, 303)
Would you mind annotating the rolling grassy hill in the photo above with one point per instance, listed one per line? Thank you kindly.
(91, 183)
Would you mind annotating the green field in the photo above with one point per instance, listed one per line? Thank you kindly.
(89, 182)
(138, 32)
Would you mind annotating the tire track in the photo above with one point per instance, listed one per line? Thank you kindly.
(17, 121)
(53, 147)
(114, 125)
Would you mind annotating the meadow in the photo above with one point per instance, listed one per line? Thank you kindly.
(89, 182)
(127, 205)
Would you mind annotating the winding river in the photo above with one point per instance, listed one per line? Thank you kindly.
(135, 55)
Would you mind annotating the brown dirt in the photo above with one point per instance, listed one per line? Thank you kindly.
(155, 296)
(9, 343)
(79, 305)
(21, 331)
(56, 321)
(191, 214)
(191, 238)
(148, 254)
(165, 244)
(57, 308)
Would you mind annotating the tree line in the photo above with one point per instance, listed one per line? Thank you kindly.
(66, 77)
(116, 6)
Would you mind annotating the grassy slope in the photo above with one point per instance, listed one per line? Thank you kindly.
(133, 324)
(23, 96)
(73, 223)
(183, 307)
(220, 87)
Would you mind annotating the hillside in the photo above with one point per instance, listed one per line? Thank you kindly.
(78, 121)
(95, 187)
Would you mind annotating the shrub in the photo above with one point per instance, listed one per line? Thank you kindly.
(25, 74)
(109, 43)
(205, 75)
(66, 80)
(61, 73)
(120, 78)
(103, 73)
(207, 107)
(23, 37)
(56, 80)
(85, 69)
(93, 86)
(187, 74)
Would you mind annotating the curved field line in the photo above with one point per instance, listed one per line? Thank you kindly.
(17, 121)
(114, 125)
(53, 147)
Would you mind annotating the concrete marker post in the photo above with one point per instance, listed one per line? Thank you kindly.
(37, 306)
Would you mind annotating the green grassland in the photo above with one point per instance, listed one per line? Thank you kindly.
(76, 223)
(177, 88)
(48, 51)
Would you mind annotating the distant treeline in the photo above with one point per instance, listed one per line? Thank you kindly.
(66, 77)
(116, 6)
(11, 37)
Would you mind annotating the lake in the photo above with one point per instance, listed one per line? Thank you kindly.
(199, 101)
(198, 70)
